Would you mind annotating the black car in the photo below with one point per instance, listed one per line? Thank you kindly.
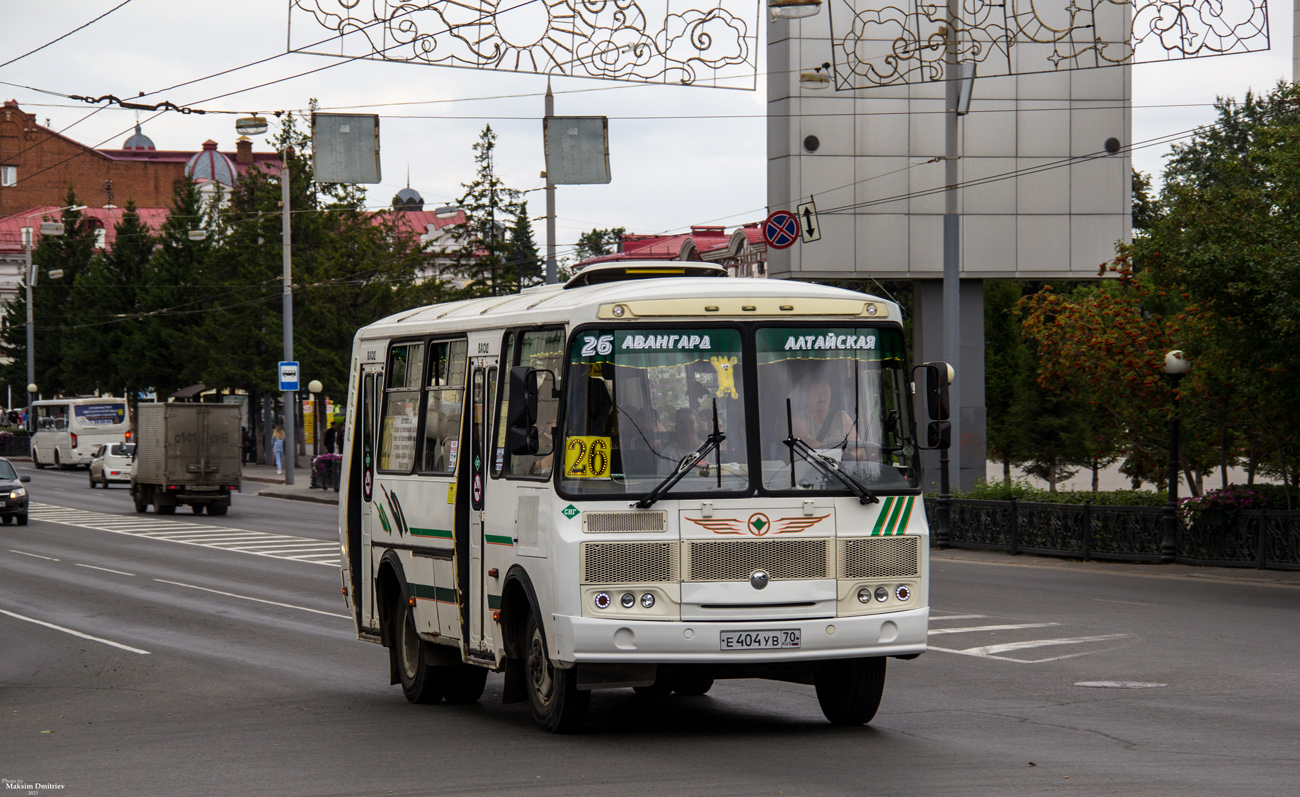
(13, 495)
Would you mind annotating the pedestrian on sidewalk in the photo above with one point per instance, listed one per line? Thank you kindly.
(277, 446)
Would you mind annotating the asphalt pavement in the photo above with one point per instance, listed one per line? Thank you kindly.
(300, 490)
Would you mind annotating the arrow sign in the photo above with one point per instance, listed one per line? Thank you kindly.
(812, 229)
(781, 229)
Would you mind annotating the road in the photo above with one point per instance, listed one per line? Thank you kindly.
(195, 655)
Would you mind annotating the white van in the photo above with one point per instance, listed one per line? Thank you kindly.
(67, 432)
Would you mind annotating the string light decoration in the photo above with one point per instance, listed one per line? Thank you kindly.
(643, 41)
(878, 45)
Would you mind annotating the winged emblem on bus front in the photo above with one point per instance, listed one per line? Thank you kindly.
(758, 525)
(794, 525)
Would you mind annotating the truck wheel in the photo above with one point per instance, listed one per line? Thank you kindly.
(558, 705)
(198, 509)
(849, 690)
(162, 509)
(463, 683)
(420, 682)
(139, 499)
(218, 510)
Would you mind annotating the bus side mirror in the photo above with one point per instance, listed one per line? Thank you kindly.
(934, 379)
(521, 417)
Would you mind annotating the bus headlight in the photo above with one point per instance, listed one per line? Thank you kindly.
(882, 594)
(648, 600)
(903, 592)
(602, 600)
(864, 595)
(628, 600)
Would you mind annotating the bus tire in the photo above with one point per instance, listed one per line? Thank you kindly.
(36, 459)
(420, 681)
(849, 690)
(463, 683)
(58, 461)
(558, 705)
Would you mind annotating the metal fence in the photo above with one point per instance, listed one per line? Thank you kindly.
(16, 445)
(1249, 538)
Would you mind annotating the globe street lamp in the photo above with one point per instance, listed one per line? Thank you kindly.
(1176, 367)
(47, 228)
(314, 387)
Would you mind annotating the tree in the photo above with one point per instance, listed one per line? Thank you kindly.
(100, 354)
(483, 255)
(597, 242)
(524, 259)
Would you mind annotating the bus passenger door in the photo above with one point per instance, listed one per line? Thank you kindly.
(482, 383)
(360, 493)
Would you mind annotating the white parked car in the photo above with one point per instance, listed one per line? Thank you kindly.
(111, 463)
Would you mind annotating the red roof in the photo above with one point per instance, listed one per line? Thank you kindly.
(11, 227)
(701, 238)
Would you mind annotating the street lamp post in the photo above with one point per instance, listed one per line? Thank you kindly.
(54, 228)
(1176, 367)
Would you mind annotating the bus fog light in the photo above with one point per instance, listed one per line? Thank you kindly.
(648, 600)
(602, 600)
(628, 600)
(864, 595)
(882, 594)
(903, 592)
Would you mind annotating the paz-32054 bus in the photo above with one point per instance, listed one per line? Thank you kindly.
(653, 476)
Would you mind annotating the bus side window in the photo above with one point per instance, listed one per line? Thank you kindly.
(543, 350)
(498, 447)
(397, 433)
(442, 415)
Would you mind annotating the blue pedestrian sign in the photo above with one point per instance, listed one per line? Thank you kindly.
(781, 229)
(288, 376)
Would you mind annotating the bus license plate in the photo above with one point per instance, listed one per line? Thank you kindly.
(760, 640)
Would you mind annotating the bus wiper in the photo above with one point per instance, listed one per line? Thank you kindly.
(711, 443)
(823, 464)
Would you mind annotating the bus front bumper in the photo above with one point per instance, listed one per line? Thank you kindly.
(581, 640)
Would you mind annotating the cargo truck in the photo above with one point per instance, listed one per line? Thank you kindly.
(186, 454)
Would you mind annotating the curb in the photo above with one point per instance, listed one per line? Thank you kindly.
(298, 496)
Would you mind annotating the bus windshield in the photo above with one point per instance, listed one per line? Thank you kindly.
(844, 393)
(641, 401)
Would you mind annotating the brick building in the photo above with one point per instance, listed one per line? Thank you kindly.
(38, 164)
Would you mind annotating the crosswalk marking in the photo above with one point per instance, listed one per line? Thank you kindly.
(997, 651)
(257, 543)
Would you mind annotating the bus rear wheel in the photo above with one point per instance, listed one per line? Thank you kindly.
(849, 690)
(558, 705)
(420, 682)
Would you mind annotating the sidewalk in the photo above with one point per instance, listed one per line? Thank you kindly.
(300, 490)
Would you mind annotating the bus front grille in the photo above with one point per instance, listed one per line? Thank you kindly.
(629, 562)
(603, 522)
(880, 557)
(735, 560)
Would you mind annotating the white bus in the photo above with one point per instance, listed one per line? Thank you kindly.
(67, 431)
(653, 477)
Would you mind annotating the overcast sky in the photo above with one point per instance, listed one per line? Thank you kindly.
(670, 170)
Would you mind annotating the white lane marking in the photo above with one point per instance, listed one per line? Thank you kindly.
(992, 651)
(222, 538)
(255, 600)
(934, 617)
(990, 628)
(34, 555)
(127, 648)
(105, 569)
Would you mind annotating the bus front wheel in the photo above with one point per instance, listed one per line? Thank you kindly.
(36, 459)
(849, 690)
(419, 680)
(558, 705)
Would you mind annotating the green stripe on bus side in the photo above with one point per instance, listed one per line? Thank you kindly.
(893, 517)
(440, 533)
(383, 518)
(494, 601)
(444, 595)
(493, 539)
(907, 514)
(423, 591)
(880, 519)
